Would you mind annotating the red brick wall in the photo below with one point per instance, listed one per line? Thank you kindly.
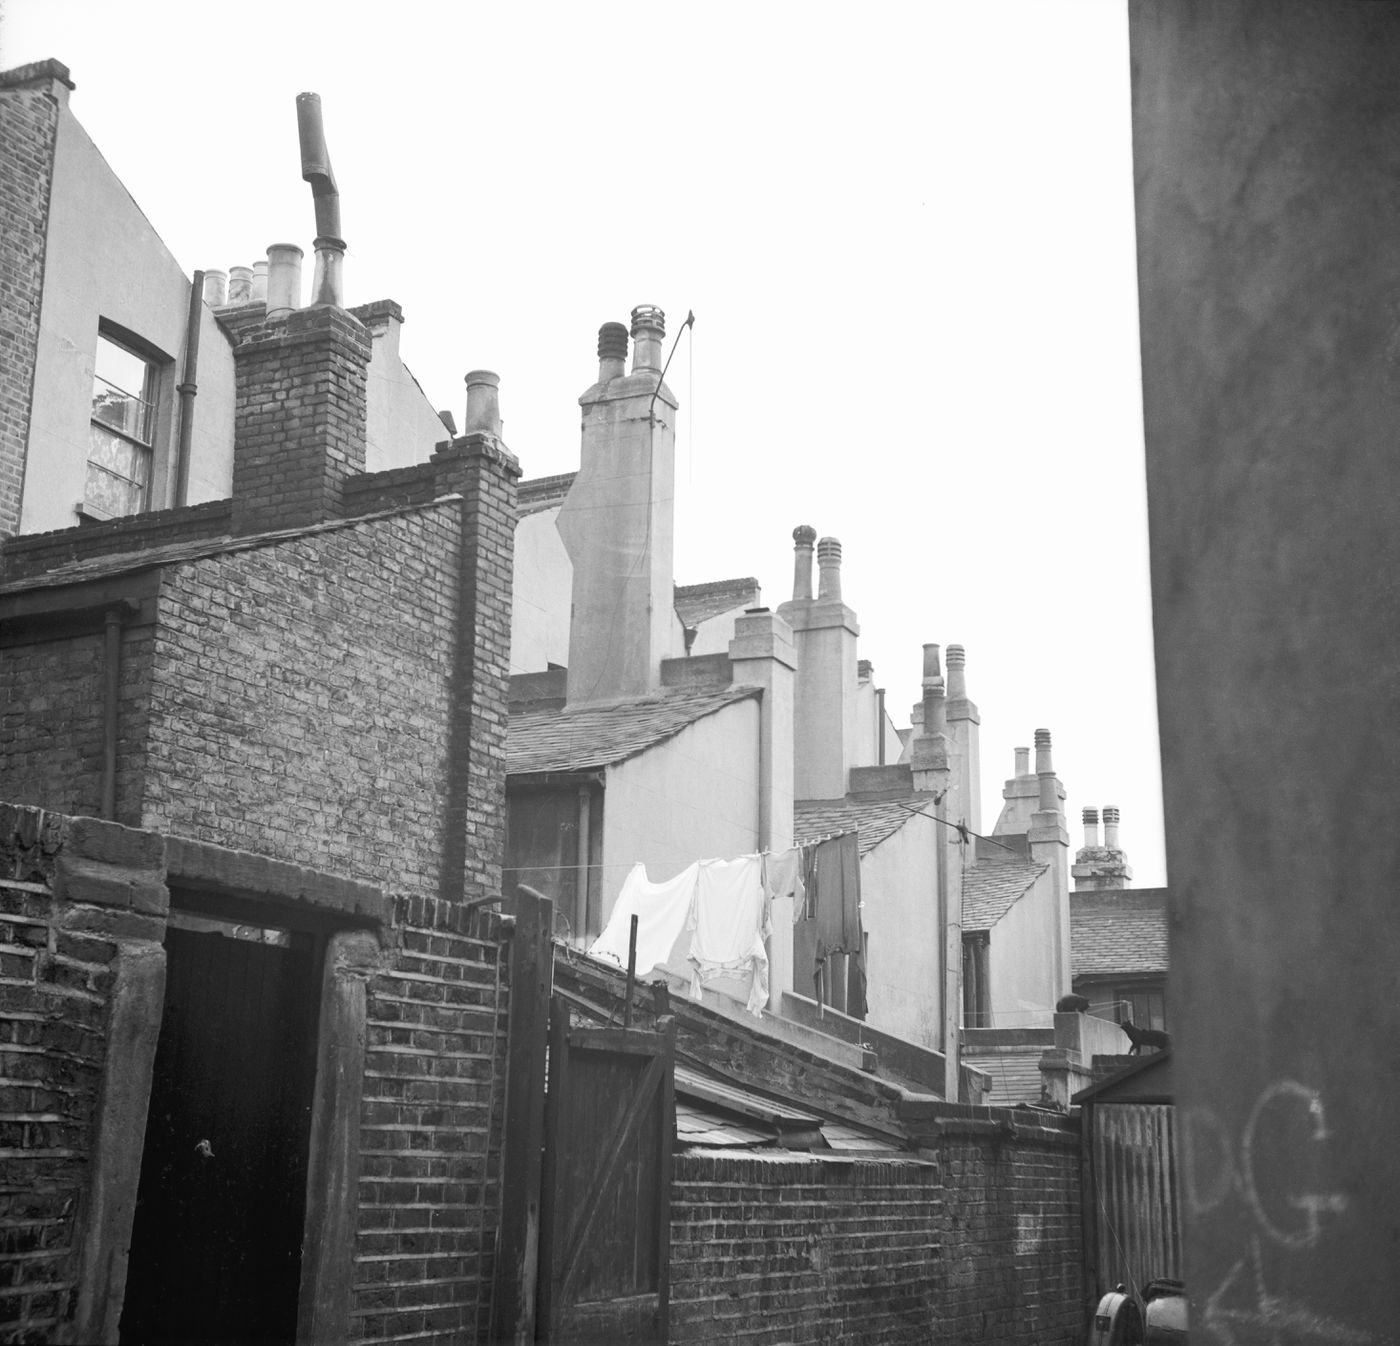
(28, 130)
(52, 722)
(73, 894)
(975, 1242)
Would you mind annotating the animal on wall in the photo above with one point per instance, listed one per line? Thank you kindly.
(1072, 1004)
(1144, 1037)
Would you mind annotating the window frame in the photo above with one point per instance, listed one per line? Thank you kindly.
(151, 395)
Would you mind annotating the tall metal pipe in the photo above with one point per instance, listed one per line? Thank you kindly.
(112, 675)
(327, 285)
(188, 388)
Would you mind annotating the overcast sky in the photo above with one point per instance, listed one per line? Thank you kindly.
(906, 232)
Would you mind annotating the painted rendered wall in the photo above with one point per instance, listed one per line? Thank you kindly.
(539, 616)
(694, 797)
(401, 426)
(901, 917)
(713, 636)
(1266, 144)
(104, 260)
(1021, 967)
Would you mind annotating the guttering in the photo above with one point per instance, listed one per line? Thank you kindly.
(187, 389)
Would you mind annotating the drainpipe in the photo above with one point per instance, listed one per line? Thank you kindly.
(187, 390)
(880, 724)
(112, 670)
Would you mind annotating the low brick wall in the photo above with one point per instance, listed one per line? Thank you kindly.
(977, 1240)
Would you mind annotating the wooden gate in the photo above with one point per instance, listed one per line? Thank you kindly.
(216, 1245)
(605, 1215)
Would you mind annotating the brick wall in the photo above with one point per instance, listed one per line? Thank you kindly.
(29, 113)
(299, 418)
(431, 1129)
(52, 722)
(977, 1240)
(300, 698)
(75, 896)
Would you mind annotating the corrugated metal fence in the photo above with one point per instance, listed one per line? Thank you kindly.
(1135, 1220)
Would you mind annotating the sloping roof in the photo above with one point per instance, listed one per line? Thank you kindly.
(542, 492)
(696, 603)
(597, 736)
(190, 549)
(1118, 930)
(875, 819)
(992, 887)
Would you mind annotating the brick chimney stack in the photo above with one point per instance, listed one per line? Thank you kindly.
(299, 418)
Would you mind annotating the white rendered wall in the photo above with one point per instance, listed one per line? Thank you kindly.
(1021, 971)
(539, 617)
(401, 426)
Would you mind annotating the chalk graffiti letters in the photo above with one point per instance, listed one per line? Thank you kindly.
(1287, 1119)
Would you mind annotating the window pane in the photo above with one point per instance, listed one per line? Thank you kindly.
(117, 475)
(122, 388)
(116, 454)
(111, 495)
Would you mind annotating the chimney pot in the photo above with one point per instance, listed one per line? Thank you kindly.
(957, 679)
(1110, 827)
(240, 284)
(1091, 828)
(1045, 769)
(260, 281)
(803, 536)
(648, 331)
(283, 280)
(216, 288)
(1023, 761)
(483, 403)
(934, 704)
(829, 569)
(612, 351)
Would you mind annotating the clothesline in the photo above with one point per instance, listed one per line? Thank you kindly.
(628, 864)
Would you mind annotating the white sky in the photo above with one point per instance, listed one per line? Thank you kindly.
(907, 238)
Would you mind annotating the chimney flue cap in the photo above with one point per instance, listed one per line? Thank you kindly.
(804, 535)
(647, 318)
(1091, 815)
(1042, 738)
(612, 341)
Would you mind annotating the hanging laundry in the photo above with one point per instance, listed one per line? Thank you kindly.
(661, 909)
(730, 923)
(830, 922)
(782, 877)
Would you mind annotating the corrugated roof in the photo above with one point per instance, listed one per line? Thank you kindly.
(874, 819)
(992, 887)
(597, 736)
(1118, 930)
(696, 603)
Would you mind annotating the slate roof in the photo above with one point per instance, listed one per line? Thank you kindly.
(696, 603)
(992, 887)
(874, 819)
(597, 736)
(1118, 930)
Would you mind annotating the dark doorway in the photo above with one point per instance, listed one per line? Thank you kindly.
(216, 1245)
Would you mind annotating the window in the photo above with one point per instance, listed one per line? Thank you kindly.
(122, 431)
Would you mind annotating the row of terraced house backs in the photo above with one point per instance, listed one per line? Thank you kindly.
(289, 1052)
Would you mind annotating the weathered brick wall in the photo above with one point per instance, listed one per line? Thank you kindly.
(28, 131)
(300, 695)
(431, 1129)
(75, 895)
(299, 418)
(52, 722)
(975, 1241)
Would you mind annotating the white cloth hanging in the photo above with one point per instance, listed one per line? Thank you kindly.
(661, 910)
(729, 922)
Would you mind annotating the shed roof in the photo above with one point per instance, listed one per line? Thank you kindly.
(875, 819)
(1118, 930)
(992, 887)
(596, 736)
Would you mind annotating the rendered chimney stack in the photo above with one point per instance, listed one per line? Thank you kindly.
(1091, 829)
(1110, 828)
(648, 332)
(483, 403)
(612, 351)
(283, 280)
(803, 537)
(829, 570)
(1045, 770)
(1023, 762)
(964, 732)
(216, 288)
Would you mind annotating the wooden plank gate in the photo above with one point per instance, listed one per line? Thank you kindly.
(605, 1238)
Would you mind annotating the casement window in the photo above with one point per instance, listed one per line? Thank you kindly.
(122, 431)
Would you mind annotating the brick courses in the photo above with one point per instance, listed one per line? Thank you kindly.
(29, 113)
(973, 1240)
(74, 895)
